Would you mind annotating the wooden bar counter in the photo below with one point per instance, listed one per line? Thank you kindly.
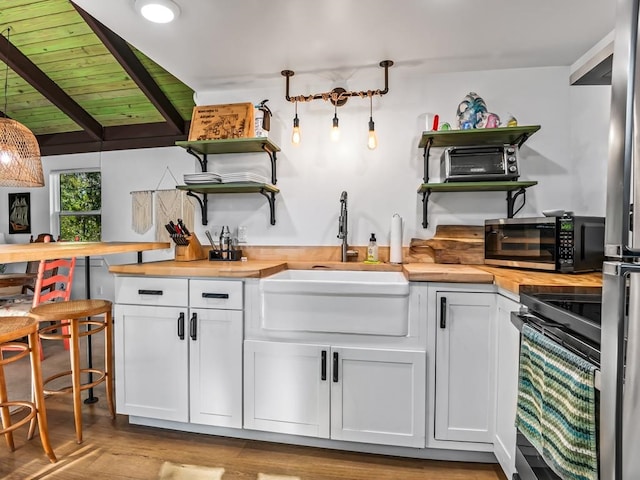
(28, 252)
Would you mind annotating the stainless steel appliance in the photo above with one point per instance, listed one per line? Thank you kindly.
(573, 321)
(564, 244)
(620, 397)
(478, 163)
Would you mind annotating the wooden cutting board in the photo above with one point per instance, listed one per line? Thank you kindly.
(451, 244)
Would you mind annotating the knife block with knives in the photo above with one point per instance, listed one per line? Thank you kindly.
(190, 252)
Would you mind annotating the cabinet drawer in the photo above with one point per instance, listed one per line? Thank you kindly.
(152, 291)
(225, 294)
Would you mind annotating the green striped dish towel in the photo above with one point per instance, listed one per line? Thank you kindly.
(556, 408)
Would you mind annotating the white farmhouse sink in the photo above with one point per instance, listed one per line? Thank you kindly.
(339, 301)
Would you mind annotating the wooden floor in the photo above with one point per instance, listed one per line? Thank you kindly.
(117, 450)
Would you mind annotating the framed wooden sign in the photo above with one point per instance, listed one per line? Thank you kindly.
(215, 122)
(20, 212)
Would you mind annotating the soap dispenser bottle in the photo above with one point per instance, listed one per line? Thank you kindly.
(372, 249)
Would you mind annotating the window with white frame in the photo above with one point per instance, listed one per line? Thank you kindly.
(76, 204)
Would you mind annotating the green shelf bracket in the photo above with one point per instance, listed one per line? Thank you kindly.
(271, 198)
(272, 158)
(425, 200)
(203, 205)
(201, 160)
(425, 156)
(511, 200)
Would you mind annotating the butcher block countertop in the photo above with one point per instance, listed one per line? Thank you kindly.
(445, 272)
(510, 279)
(513, 279)
(202, 268)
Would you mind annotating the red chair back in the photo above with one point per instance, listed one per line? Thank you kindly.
(54, 280)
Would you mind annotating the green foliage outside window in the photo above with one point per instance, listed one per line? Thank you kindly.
(80, 204)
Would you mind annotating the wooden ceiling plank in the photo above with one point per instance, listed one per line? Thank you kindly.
(132, 65)
(36, 77)
(28, 21)
(59, 36)
(42, 59)
(51, 45)
(16, 11)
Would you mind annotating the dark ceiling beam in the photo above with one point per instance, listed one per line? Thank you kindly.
(147, 135)
(28, 70)
(132, 65)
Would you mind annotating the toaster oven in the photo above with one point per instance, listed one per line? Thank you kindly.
(479, 163)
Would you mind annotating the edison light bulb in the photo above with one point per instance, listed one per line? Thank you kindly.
(335, 130)
(372, 141)
(295, 135)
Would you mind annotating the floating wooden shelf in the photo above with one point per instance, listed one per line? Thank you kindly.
(478, 136)
(426, 189)
(232, 145)
(474, 186)
(202, 148)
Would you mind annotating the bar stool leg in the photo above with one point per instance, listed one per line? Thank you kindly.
(4, 411)
(75, 378)
(108, 361)
(36, 375)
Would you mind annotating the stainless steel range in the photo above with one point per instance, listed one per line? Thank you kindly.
(572, 320)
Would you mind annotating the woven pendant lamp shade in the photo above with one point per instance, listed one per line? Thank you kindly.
(20, 164)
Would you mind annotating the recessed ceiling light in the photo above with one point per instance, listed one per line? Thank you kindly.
(158, 11)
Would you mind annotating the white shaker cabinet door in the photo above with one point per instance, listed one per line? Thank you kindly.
(508, 349)
(378, 396)
(215, 353)
(286, 388)
(151, 361)
(465, 368)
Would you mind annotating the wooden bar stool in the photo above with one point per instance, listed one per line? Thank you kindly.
(76, 314)
(11, 330)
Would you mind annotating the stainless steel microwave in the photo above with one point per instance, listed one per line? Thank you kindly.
(479, 163)
(563, 244)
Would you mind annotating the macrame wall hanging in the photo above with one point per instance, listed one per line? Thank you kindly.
(141, 211)
(169, 205)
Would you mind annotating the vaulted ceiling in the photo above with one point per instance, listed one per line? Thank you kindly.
(79, 87)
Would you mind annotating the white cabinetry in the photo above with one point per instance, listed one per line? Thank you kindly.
(464, 371)
(151, 351)
(378, 396)
(178, 349)
(344, 393)
(285, 388)
(215, 352)
(151, 361)
(507, 356)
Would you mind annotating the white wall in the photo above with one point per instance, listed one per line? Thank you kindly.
(567, 157)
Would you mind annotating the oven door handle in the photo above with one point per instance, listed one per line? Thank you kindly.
(519, 319)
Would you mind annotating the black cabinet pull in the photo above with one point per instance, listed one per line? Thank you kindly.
(193, 326)
(443, 312)
(335, 367)
(181, 326)
(323, 369)
(215, 295)
(149, 292)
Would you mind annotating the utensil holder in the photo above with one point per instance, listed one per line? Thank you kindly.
(191, 252)
(225, 256)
